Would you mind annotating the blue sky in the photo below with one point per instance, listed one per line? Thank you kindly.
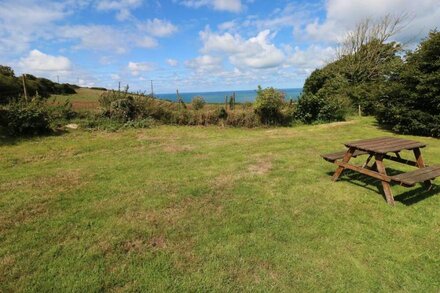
(190, 45)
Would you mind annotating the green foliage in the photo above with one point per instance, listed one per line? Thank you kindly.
(356, 79)
(411, 102)
(268, 105)
(6, 71)
(11, 87)
(27, 119)
(198, 103)
(313, 108)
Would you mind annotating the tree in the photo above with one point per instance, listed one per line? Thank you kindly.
(6, 71)
(366, 60)
(411, 103)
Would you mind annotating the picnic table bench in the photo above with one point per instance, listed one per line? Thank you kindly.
(380, 149)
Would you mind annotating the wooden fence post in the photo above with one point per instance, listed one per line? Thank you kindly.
(24, 87)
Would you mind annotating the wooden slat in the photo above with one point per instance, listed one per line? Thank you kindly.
(400, 160)
(385, 144)
(366, 142)
(364, 171)
(417, 176)
(400, 147)
(339, 155)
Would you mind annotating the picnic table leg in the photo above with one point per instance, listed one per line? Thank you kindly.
(421, 164)
(385, 185)
(346, 158)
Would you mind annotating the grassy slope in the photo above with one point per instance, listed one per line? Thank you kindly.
(82, 95)
(187, 208)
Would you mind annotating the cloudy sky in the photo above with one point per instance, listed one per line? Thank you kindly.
(192, 45)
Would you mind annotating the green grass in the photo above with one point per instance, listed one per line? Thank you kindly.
(209, 209)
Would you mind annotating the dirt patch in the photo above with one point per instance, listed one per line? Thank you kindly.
(61, 181)
(134, 245)
(157, 242)
(261, 167)
(85, 105)
(137, 245)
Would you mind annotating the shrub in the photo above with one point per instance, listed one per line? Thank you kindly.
(311, 108)
(123, 109)
(268, 104)
(198, 103)
(31, 118)
(242, 118)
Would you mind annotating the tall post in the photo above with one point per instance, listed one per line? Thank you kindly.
(58, 79)
(359, 110)
(226, 102)
(152, 90)
(24, 87)
(119, 87)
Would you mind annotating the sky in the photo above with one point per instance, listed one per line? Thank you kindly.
(190, 45)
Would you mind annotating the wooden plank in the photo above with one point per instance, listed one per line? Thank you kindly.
(395, 144)
(421, 164)
(365, 171)
(366, 142)
(339, 155)
(420, 171)
(406, 146)
(384, 145)
(421, 175)
(346, 158)
(385, 185)
(400, 160)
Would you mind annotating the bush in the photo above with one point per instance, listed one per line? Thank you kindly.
(313, 108)
(268, 104)
(26, 119)
(123, 109)
(198, 103)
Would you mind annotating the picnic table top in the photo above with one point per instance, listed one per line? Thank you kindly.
(383, 145)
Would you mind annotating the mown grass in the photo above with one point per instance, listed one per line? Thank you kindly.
(209, 209)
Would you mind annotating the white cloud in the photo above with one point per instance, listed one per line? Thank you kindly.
(122, 7)
(172, 62)
(306, 60)
(105, 38)
(21, 22)
(38, 61)
(137, 67)
(96, 37)
(115, 76)
(221, 5)
(343, 15)
(147, 42)
(256, 52)
(205, 64)
(158, 27)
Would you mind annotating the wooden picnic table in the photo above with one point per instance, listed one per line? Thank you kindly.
(380, 149)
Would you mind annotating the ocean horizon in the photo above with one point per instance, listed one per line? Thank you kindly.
(241, 96)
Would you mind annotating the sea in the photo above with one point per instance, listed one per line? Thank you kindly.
(219, 97)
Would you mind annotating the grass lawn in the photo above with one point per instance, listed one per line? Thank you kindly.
(210, 209)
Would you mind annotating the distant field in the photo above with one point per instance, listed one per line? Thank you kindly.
(87, 99)
(84, 99)
(209, 209)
